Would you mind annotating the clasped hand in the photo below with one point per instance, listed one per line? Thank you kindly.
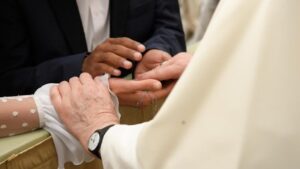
(155, 76)
(84, 104)
(115, 53)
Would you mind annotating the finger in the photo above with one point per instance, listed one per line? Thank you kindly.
(64, 89)
(124, 52)
(55, 98)
(75, 83)
(129, 43)
(145, 98)
(128, 86)
(159, 73)
(102, 68)
(161, 94)
(86, 79)
(114, 60)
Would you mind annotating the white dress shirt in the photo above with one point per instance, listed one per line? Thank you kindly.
(95, 20)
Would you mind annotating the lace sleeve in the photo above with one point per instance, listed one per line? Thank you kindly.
(18, 115)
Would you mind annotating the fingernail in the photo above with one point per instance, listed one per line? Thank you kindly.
(127, 64)
(141, 48)
(137, 56)
(117, 72)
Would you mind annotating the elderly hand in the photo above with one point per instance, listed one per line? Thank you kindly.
(84, 105)
(111, 55)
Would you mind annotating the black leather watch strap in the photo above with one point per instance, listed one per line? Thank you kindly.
(101, 132)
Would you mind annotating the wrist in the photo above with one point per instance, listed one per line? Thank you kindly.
(104, 121)
(96, 139)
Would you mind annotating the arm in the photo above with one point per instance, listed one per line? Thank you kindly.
(18, 115)
(168, 33)
(20, 71)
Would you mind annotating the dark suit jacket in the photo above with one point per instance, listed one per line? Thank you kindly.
(42, 41)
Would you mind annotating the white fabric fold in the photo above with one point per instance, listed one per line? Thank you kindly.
(123, 152)
(67, 146)
(237, 104)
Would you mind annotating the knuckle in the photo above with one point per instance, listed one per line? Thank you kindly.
(63, 83)
(115, 48)
(85, 75)
(100, 47)
(109, 40)
(104, 57)
(125, 39)
(73, 78)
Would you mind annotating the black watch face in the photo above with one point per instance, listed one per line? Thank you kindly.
(94, 141)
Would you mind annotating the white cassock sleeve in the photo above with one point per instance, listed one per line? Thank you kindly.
(237, 104)
(118, 148)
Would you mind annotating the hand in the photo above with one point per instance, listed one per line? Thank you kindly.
(136, 93)
(151, 59)
(111, 55)
(169, 70)
(84, 105)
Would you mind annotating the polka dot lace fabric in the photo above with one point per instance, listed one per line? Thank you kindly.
(17, 115)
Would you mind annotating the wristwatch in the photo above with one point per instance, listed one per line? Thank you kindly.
(95, 141)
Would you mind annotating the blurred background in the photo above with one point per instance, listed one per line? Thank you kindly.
(196, 15)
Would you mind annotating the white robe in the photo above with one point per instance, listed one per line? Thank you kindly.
(237, 106)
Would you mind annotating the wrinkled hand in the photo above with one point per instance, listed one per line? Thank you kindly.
(151, 59)
(111, 55)
(84, 105)
(169, 70)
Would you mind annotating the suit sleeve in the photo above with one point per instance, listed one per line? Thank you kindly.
(168, 32)
(20, 72)
(118, 149)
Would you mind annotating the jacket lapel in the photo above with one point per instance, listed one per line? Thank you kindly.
(119, 15)
(68, 17)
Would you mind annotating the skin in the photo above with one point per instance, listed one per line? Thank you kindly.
(84, 104)
(111, 55)
(142, 91)
(138, 93)
(144, 96)
(116, 53)
(168, 70)
(167, 73)
(151, 60)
